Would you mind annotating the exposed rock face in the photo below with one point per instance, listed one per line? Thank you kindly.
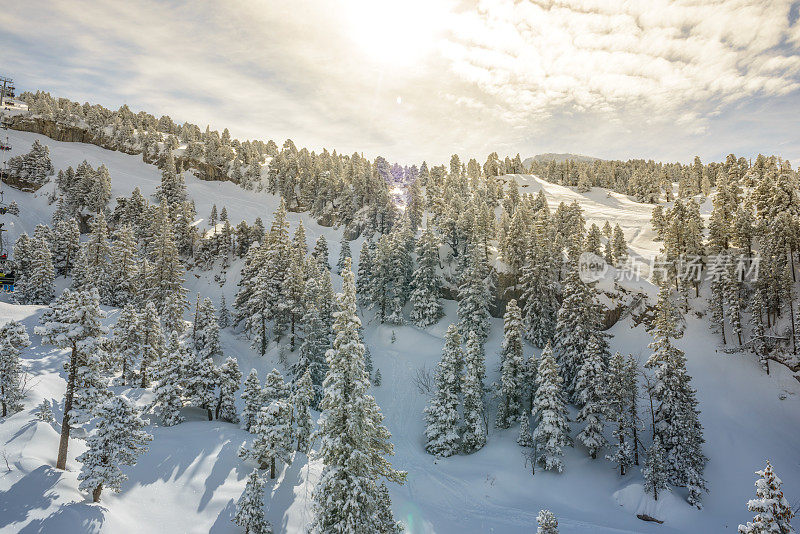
(76, 134)
(16, 183)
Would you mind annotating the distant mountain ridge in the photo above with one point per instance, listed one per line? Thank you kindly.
(558, 158)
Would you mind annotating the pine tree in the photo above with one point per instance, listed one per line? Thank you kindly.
(366, 264)
(548, 524)
(474, 296)
(441, 415)
(44, 413)
(426, 308)
(168, 391)
(250, 507)
(224, 318)
(354, 441)
(525, 438)
(13, 338)
(65, 246)
(344, 253)
(252, 398)
(152, 342)
(654, 472)
(619, 246)
(578, 320)
(540, 303)
(98, 259)
(512, 367)
(377, 380)
(474, 436)
(620, 399)
(301, 401)
(229, 379)
(118, 439)
(676, 417)
(274, 388)
(773, 512)
(200, 379)
(320, 252)
(36, 286)
(127, 342)
(206, 339)
(590, 394)
(552, 430)
(165, 274)
(73, 322)
(124, 268)
(273, 439)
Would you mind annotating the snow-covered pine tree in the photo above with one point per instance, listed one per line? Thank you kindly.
(13, 338)
(474, 296)
(36, 286)
(293, 290)
(65, 246)
(229, 379)
(593, 240)
(474, 435)
(168, 391)
(552, 429)
(547, 522)
(525, 438)
(578, 319)
(98, 259)
(206, 339)
(654, 472)
(320, 252)
(124, 268)
(590, 392)
(127, 342)
(376, 381)
(252, 397)
(275, 388)
(773, 512)
(250, 507)
(152, 342)
(620, 394)
(118, 439)
(224, 317)
(200, 378)
(315, 343)
(73, 322)
(540, 303)
(619, 246)
(301, 402)
(676, 416)
(44, 413)
(512, 368)
(172, 190)
(273, 441)
(354, 441)
(165, 274)
(174, 306)
(344, 252)
(366, 264)
(441, 415)
(426, 284)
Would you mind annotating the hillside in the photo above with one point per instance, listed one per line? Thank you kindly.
(191, 477)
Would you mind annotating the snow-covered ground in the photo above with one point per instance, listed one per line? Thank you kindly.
(190, 478)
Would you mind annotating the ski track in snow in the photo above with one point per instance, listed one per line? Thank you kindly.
(191, 477)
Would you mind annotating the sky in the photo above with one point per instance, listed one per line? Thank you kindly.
(417, 80)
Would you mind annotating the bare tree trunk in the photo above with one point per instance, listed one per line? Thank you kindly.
(96, 493)
(61, 463)
(272, 469)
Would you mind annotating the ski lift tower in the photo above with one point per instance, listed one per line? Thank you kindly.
(8, 88)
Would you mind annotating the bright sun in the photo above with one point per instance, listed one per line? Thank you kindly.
(398, 32)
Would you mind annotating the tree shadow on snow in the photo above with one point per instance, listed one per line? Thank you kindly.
(227, 460)
(224, 519)
(76, 516)
(27, 494)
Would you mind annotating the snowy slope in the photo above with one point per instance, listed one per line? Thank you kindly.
(191, 477)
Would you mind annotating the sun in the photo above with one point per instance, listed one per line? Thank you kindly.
(395, 32)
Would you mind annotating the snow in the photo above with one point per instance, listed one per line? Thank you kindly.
(190, 478)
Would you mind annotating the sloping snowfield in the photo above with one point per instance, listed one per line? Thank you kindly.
(191, 477)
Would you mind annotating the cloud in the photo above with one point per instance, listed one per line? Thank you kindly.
(617, 79)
